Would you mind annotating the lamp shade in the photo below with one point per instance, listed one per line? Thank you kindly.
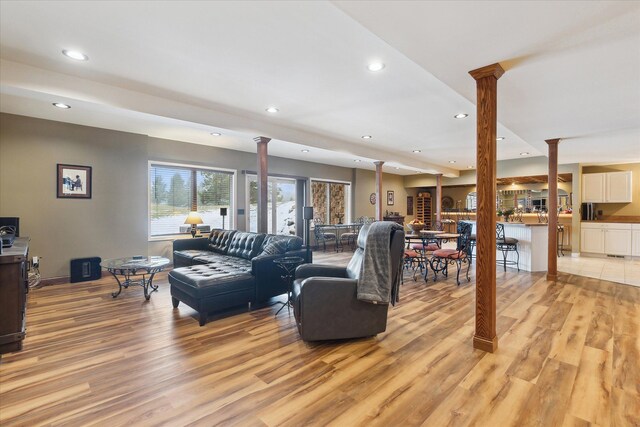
(223, 211)
(193, 218)
(307, 212)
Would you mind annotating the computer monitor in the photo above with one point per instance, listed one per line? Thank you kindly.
(11, 221)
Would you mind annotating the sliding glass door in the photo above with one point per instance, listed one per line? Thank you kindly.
(281, 205)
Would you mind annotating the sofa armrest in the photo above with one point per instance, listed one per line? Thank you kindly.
(198, 244)
(320, 270)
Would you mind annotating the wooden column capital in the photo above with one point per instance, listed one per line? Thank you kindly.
(494, 70)
(379, 198)
(261, 139)
(263, 184)
(555, 141)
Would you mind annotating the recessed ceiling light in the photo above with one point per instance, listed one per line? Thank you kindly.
(452, 161)
(215, 134)
(366, 137)
(526, 153)
(61, 105)
(417, 151)
(500, 138)
(357, 160)
(74, 54)
(305, 151)
(272, 110)
(375, 66)
(469, 167)
(461, 116)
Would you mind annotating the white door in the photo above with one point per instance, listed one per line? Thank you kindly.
(618, 187)
(617, 242)
(592, 240)
(635, 243)
(593, 187)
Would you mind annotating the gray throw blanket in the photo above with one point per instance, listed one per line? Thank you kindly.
(377, 280)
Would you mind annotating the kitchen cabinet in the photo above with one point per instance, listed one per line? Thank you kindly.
(607, 238)
(610, 187)
(635, 240)
(592, 240)
(593, 185)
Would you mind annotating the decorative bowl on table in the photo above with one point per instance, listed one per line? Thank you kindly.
(415, 227)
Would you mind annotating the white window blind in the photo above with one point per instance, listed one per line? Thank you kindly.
(174, 191)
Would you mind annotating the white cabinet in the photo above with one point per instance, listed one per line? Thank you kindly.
(635, 240)
(593, 187)
(618, 187)
(592, 240)
(610, 187)
(617, 242)
(606, 238)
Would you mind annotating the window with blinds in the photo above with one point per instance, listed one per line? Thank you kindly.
(175, 190)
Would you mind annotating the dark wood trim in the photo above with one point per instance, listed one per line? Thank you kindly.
(379, 198)
(485, 337)
(263, 183)
(552, 251)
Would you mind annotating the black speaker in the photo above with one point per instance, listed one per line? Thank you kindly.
(307, 212)
(85, 269)
(223, 211)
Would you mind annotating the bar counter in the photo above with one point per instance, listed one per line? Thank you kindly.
(532, 244)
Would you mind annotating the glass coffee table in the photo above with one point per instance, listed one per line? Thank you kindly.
(135, 266)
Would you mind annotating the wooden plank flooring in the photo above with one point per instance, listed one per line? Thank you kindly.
(568, 355)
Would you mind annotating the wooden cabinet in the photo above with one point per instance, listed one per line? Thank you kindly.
(398, 219)
(14, 286)
(606, 238)
(611, 187)
(423, 209)
(592, 240)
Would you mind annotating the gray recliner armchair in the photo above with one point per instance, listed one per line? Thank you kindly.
(325, 297)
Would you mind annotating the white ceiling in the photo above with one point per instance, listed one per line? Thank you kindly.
(180, 70)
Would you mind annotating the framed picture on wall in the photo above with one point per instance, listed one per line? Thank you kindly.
(390, 198)
(74, 182)
(409, 205)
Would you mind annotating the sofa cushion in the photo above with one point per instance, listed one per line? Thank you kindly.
(278, 245)
(219, 240)
(245, 245)
(206, 280)
(224, 262)
(190, 253)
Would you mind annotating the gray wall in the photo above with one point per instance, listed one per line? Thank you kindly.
(114, 222)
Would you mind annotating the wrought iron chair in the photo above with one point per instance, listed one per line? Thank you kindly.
(321, 235)
(349, 237)
(505, 245)
(443, 257)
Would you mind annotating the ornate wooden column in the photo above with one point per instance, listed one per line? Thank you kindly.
(379, 198)
(263, 184)
(485, 337)
(552, 256)
(438, 197)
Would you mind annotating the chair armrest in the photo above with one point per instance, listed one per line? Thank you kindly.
(320, 270)
(197, 244)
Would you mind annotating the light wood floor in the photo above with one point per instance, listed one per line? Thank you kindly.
(569, 355)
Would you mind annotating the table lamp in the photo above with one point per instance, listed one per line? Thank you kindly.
(223, 213)
(193, 218)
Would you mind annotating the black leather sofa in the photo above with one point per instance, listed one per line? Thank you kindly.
(229, 268)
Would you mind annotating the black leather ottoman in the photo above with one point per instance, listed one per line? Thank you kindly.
(211, 287)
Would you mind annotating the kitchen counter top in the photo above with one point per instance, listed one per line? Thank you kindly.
(613, 221)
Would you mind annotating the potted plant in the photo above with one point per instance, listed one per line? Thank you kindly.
(506, 214)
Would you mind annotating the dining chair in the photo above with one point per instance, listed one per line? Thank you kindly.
(442, 258)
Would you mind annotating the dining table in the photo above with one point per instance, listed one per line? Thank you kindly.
(339, 229)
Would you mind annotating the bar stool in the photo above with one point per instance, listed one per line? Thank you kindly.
(560, 240)
(506, 245)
